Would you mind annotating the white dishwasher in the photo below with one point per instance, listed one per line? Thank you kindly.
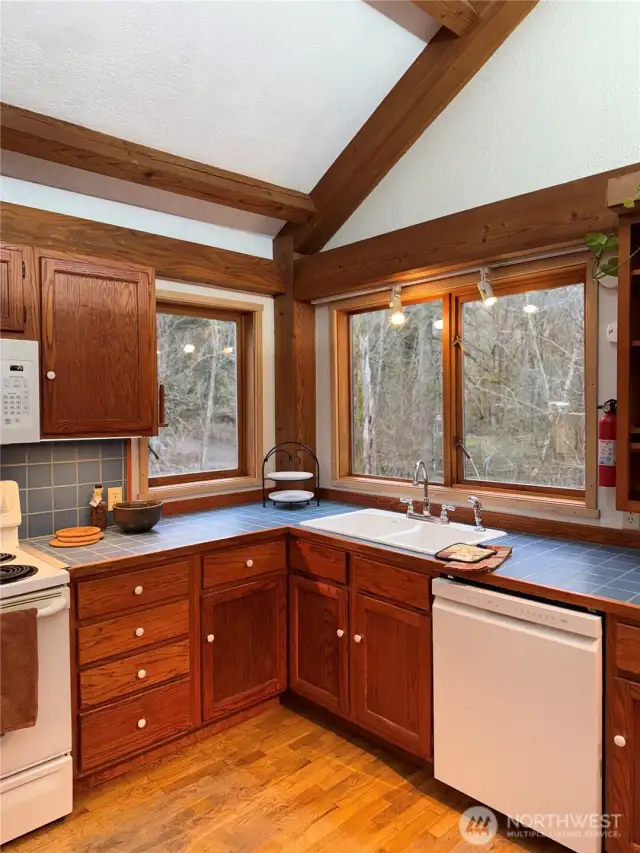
(518, 709)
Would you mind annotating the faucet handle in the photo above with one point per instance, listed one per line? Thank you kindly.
(444, 513)
(475, 502)
(408, 502)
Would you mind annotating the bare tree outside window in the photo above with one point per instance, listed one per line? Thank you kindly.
(397, 392)
(523, 388)
(197, 363)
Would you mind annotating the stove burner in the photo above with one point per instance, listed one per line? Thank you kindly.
(5, 557)
(9, 574)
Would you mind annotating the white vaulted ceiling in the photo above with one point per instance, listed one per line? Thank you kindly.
(274, 89)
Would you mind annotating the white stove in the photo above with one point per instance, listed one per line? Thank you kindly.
(36, 775)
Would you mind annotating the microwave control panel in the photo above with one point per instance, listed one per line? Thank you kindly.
(20, 405)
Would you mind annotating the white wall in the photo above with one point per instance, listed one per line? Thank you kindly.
(131, 216)
(559, 100)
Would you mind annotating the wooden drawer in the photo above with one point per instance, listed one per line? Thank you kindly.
(133, 590)
(112, 733)
(627, 649)
(399, 585)
(318, 560)
(129, 675)
(118, 636)
(239, 564)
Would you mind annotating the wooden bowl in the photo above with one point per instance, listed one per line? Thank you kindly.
(137, 516)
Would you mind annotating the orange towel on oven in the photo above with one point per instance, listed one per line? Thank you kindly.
(18, 670)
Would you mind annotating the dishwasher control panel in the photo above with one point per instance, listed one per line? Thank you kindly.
(515, 607)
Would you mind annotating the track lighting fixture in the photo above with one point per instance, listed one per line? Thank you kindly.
(485, 289)
(398, 317)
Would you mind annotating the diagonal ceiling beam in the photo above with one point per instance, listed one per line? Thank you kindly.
(443, 68)
(456, 15)
(57, 141)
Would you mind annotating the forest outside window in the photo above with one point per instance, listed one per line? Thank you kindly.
(494, 398)
(200, 365)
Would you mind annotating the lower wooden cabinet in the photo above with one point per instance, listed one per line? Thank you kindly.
(244, 645)
(391, 672)
(623, 754)
(319, 642)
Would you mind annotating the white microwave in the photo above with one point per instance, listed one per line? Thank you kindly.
(20, 386)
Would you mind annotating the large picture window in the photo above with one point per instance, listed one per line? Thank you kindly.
(496, 395)
(200, 367)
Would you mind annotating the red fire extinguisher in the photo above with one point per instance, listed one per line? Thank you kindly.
(607, 428)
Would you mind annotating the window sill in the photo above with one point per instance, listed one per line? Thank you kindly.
(530, 504)
(201, 489)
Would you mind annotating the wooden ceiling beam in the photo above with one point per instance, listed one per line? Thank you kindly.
(443, 68)
(546, 219)
(456, 15)
(57, 141)
(176, 260)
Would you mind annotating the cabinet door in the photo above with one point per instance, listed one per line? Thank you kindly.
(319, 642)
(623, 756)
(244, 645)
(391, 673)
(12, 305)
(98, 348)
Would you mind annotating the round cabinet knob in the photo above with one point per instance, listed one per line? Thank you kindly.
(340, 632)
(210, 638)
(139, 632)
(249, 563)
(619, 740)
(142, 723)
(138, 590)
(357, 638)
(142, 673)
(51, 374)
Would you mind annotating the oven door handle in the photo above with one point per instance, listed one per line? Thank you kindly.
(52, 609)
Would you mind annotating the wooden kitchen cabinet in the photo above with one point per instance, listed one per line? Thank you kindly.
(319, 642)
(13, 272)
(98, 348)
(391, 672)
(244, 637)
(623, 754)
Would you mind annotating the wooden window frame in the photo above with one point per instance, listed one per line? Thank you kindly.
(248, 317)
(454, 292)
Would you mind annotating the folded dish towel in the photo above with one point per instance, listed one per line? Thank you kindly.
(18, 670)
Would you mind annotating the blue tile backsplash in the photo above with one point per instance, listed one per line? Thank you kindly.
(56, 480)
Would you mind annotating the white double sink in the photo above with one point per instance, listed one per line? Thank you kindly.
(393, 529)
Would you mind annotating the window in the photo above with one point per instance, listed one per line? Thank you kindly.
(494, 398)
(200, 365)
(397, 392)
(523, 381)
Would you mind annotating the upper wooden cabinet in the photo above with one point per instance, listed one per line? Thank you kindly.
(628, 443)
(98, 348)
(13, 271)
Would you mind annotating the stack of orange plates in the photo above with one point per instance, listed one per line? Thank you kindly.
(73, 537)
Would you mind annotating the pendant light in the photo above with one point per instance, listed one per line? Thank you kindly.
(398, 317)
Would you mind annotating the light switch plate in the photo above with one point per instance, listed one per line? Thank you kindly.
(114, 496)
(612, 333)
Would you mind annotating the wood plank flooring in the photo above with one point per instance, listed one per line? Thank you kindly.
(277, 782)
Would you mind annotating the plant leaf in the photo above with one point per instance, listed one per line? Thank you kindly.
(610, 266)
(629, 203)
(611, 244)
(596, 241)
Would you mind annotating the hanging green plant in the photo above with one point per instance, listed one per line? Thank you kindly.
(605, 247)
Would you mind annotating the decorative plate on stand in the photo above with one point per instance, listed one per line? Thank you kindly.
(288, 476)
(295, 457)
(291, 496)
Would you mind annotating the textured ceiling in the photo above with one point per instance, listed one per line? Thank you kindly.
(271, 88)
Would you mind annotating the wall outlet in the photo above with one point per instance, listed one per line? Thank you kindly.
(630, 521)
(114, 496)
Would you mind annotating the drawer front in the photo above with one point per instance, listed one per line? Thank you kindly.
(133, 590)
(130, 675)
(627, 645)
(399, 585)
(318, 560)
(127, 727)
(240, 564)
(130, 633)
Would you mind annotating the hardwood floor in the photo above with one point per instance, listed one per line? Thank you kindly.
(277, 782)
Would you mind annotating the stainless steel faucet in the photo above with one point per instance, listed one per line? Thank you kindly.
(421, 469)
(477, 513)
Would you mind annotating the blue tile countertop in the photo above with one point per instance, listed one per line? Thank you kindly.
(583, 568)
